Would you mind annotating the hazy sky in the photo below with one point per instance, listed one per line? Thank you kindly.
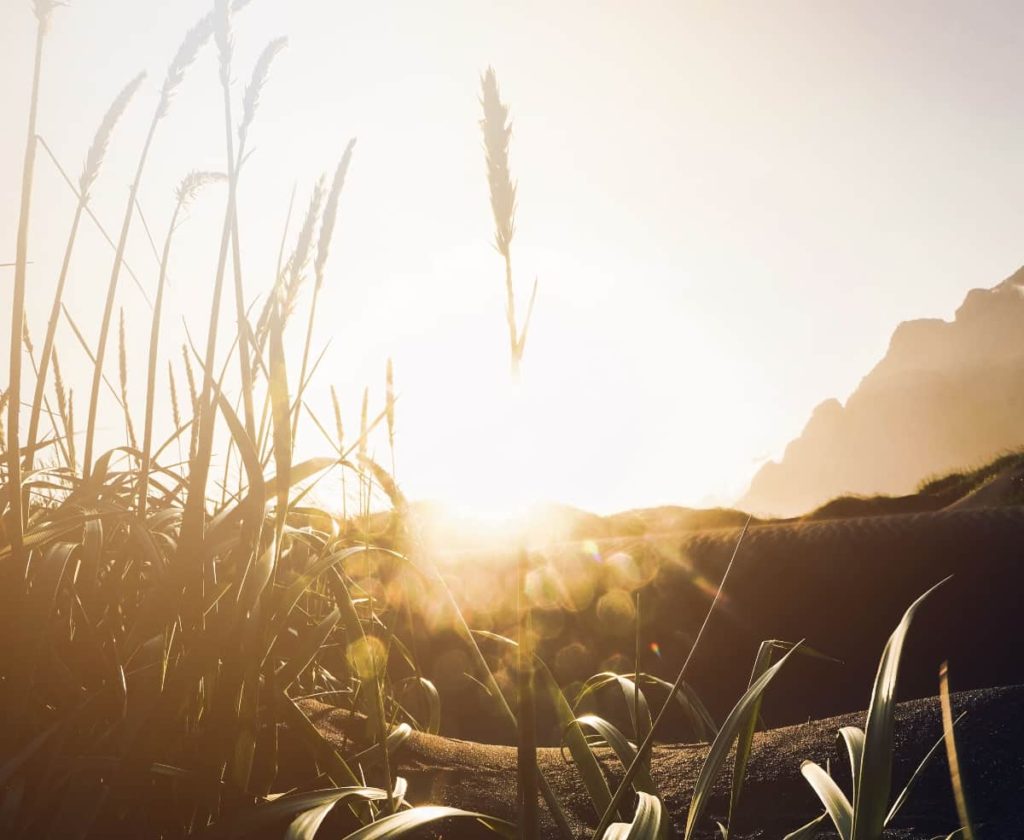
(729, 207)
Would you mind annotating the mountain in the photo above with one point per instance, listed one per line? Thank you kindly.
(947, 395)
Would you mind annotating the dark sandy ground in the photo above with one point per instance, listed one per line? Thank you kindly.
(776, 799)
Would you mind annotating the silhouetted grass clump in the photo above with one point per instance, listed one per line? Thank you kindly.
(159, 631)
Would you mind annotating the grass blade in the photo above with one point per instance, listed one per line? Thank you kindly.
(719, 751)
(874, 782)
(837, 806)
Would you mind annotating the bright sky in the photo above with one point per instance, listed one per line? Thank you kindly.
(729, 207)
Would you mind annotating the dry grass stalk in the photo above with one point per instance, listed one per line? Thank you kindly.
(16, 521)
(497, 132)
(187, 190)
(101, 140)
(186, 54)
(122, 370)
(223, 37)
(175, 410)
(43, 10)
(250, 101)
(299, 259)
(323, 248)
(340, 431)
(90, 170)
(64, 408)
(260, 73)
(952, 756)
(194, 397)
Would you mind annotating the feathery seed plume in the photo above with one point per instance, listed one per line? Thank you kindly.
(259, 77)
(337, 420)
(299, 259)
(497, 131)
(26, 337)
(331, 212)
(63, 407)
(222, 35)
(192, 183)
(175, 412)
(98, 149)
(189, 48)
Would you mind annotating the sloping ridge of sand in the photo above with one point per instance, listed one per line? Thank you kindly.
(776, 799)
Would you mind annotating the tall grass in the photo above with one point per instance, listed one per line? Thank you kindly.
(159, 646)
(15, 520)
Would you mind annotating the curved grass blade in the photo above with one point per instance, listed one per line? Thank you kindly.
(837, 806)
(874, 782)
(623, 748)
(412, 821)
(909, 786)
(720, 747)
(810, 830)
(648, 823)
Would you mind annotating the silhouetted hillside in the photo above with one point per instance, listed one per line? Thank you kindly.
(947, 394)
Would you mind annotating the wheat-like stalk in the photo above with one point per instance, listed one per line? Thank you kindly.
(330, 217)
(497, 131)
(389, 406)
(338, 427)
(251, 99)
(223, 37)
(187, 52)
(122, 370)
(90, 170)
(323, 246)
(190, 377)
(191, 185)
(26, 337)
(43, 10)
(71, 431)
(64, 408)
(187, 190)
(16, 516)
(340, 431)
(175, 410)
(299, 259)
(98, 149)
(260, 73)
